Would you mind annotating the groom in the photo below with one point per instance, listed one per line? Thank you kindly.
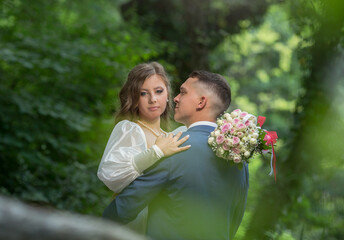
(193, 194)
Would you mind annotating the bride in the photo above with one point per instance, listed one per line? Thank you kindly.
(137, 142)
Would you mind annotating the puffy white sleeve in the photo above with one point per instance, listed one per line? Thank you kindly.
(117, 168)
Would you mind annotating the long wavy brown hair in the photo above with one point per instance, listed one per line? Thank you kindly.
(130, 93)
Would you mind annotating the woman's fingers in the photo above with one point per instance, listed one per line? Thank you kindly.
(177, 136)
(180, 149)
(170, 135)
(170, 144)
(183, 140)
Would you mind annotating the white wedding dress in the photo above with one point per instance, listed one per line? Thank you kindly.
(125, 157)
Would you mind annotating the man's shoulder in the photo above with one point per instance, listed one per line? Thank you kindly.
(198, 134)
(199, 145)
(198, 139)
(200, 129)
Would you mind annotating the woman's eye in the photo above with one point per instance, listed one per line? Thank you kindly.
(159, 91)
(143, 94)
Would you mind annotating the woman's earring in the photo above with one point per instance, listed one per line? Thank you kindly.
(167, 100)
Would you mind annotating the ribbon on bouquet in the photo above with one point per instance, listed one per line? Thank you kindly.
(270, 138)
(248, 117)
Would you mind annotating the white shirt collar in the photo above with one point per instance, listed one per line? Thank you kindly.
(207, 123)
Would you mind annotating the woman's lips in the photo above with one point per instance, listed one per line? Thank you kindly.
(153, 108)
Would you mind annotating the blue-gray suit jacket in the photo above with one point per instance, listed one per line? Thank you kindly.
(191, 195)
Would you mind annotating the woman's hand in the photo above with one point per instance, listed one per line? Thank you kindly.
(170, 145)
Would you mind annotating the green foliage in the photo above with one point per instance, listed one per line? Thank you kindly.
(303, 202)
(262, 68)
(194, 28)
(61, 65)
(265, 66)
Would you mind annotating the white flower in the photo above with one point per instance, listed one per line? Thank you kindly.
(211, 140)
(255, 135)
(217, 133)
(234, 114)
(247, 154)
(227, 116)
(220, 152)
(253, 141)
(219, 122)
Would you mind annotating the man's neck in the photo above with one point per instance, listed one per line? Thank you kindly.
(200, 119)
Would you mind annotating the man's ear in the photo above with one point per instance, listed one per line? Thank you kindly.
(202, 103)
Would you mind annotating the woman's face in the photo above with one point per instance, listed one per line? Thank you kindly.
(153, 98)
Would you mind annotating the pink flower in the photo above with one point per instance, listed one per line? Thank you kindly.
(220, 139)
(243, 114)
(247, 123)
(240, 134)
(236, 120)
(232, 131)
(241, 126)
(237, 159)
(236, 140)
(225, 146)
(237, 111)
(236, 150)
(226, 127)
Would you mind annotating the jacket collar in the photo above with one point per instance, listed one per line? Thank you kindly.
(207, 123)
(202, 128)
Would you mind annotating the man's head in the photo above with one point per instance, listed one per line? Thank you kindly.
(203, 97)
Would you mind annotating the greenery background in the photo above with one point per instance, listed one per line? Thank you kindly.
(63, 62)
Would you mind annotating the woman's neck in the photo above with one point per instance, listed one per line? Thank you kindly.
(154, 124)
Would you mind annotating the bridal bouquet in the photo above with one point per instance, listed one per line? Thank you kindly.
(237, 137)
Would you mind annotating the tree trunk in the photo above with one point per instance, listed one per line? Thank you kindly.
(21, 221)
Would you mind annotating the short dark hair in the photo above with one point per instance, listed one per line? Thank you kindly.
(217, 84)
